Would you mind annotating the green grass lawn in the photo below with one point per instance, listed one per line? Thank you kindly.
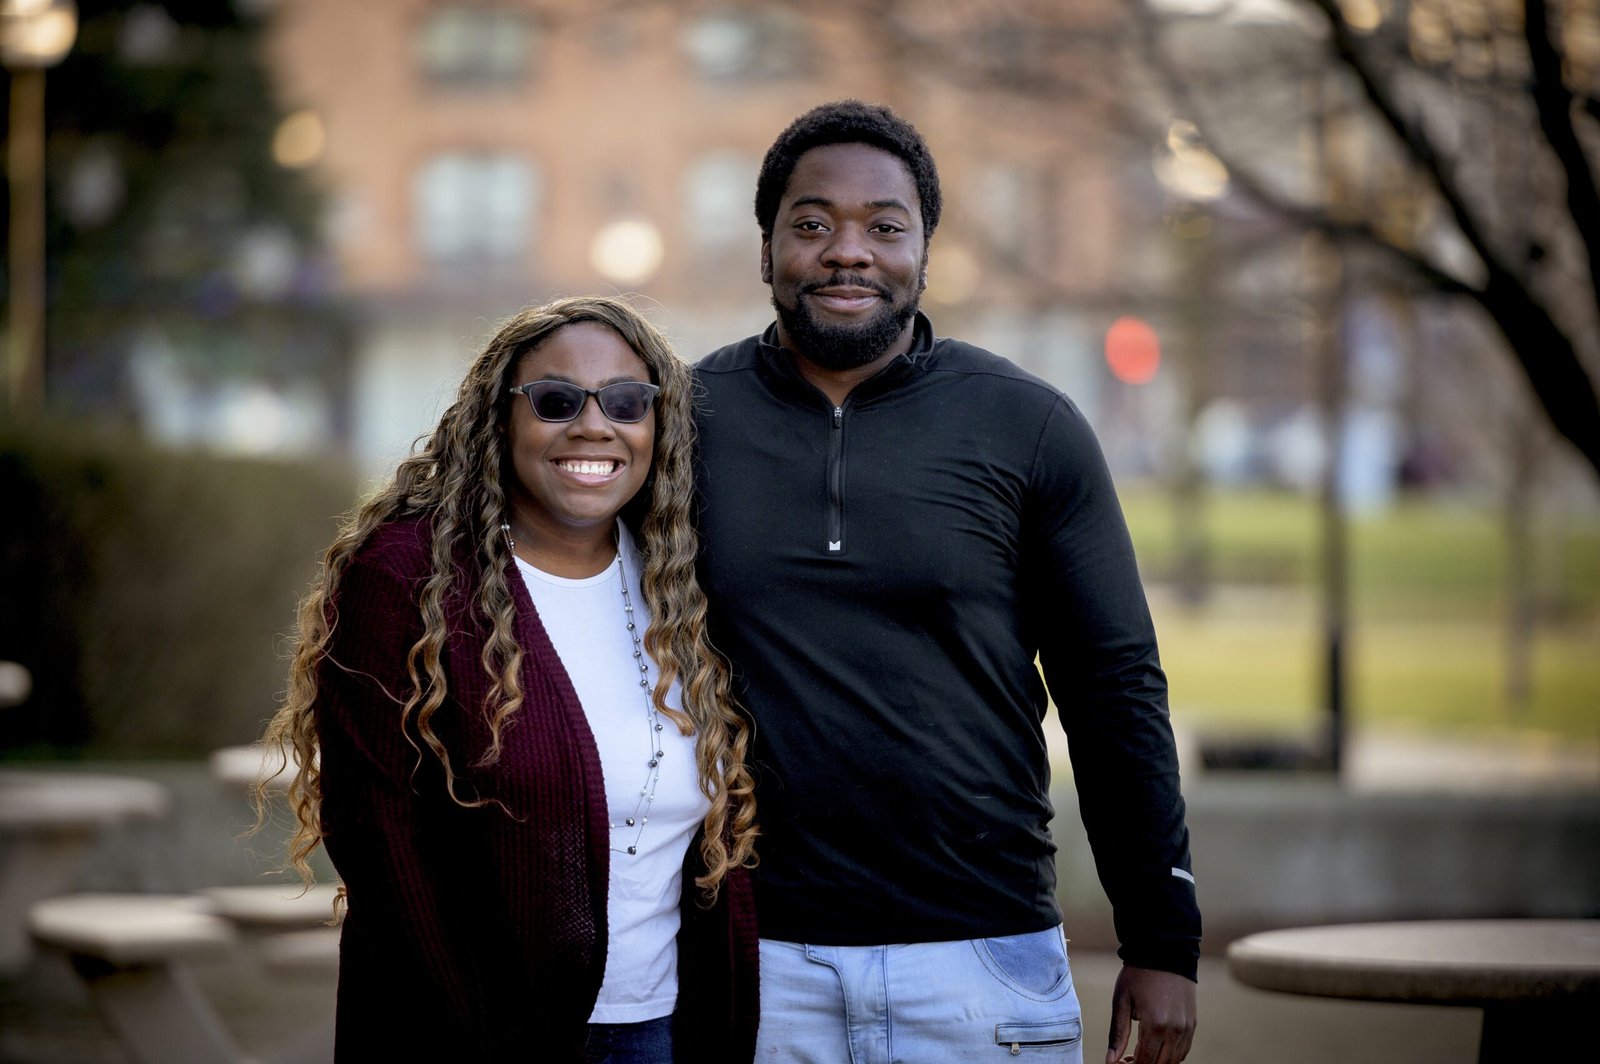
(1427, 643)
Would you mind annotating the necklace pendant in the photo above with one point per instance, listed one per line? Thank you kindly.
(633, 849)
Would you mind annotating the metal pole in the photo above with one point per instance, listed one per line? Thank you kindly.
(1335, 552)
(25, 260)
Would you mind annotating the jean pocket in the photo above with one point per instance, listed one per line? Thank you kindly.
(1020, 1038)
(1034, 965)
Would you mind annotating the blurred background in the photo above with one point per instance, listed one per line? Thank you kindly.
(1320, 272)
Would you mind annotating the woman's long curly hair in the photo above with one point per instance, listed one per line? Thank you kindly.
(457, 480)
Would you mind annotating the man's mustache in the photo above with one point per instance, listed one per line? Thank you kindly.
(845, 280)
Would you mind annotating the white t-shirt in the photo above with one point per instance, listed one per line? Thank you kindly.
(589, 629)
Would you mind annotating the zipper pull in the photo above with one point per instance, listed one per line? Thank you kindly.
(838, 416)
(1016, 1049)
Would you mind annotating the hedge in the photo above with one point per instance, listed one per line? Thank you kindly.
(151, 592)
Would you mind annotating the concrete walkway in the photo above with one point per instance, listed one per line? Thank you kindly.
(44, 1019)
(1507, 764)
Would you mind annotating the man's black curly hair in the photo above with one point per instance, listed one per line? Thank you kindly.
(847, 122)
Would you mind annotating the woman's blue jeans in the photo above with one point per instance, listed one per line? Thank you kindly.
(648, 1042)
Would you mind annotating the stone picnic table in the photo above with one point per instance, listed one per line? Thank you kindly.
(245, 767)
(1537, 981)
(48, 821)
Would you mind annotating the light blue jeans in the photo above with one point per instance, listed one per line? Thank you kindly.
(919, 1003)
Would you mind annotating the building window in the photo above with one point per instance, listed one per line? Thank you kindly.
(475, 208)
(747, 45)
(718, 190)
(1032, 52)
(472, 45)
(1003, 204)
(1014, 205)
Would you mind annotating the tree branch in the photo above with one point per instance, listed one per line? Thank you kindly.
(1546, 353)
(1554, 104)
(1414, 135)
(1252, 187)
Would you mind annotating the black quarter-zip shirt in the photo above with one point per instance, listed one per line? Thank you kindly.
(883, 576)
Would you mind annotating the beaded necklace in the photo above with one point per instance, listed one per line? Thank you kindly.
(647, 793)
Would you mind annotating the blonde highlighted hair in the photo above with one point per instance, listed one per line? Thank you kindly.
(457, 480)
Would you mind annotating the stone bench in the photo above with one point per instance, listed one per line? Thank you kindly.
(275, 907)
(293, 953)
(288, 931)
(291, 930)
(133, 952)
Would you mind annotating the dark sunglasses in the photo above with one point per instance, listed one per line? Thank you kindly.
(626, 402)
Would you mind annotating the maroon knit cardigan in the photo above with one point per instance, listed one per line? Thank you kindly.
(480, 933)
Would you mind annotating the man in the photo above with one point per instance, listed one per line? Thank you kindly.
(894, 526)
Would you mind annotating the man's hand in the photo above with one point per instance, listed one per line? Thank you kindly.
(1164, 1005)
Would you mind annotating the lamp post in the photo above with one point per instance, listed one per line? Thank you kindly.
(34, 35)
(1194, 179)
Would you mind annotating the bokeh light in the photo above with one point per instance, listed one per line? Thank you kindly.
(627, 251)
(1186, 167)
(1133, 351)
(36, 33)
(300, 140)
(1363, 16)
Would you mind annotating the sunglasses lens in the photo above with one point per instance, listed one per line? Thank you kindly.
(556, 400)
(626, 402)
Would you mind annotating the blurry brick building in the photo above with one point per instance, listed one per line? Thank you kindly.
(480, 156)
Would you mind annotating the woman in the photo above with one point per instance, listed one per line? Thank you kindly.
(514, 740)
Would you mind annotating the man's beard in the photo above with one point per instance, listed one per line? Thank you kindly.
(840, 347)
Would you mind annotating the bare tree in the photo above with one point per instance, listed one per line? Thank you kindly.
(1423, 77)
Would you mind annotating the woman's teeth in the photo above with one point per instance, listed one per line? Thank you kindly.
(598, 469)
